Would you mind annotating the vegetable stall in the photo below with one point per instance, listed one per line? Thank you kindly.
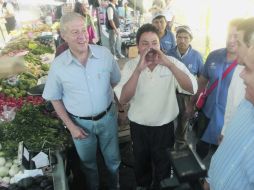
(24, 115)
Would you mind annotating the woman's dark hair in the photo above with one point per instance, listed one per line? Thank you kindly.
(146, 28)
(78, 8)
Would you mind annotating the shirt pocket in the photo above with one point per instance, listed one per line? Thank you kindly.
(103, 75)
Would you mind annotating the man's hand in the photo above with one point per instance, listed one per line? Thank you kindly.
(146, 59)
(77, 132)
(206, 185)
(190, 110)
(161, 58)
(95, 40)
(117, 32)
(220, 138)
(122, 118)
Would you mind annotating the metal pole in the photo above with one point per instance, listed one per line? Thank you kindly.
(98, 24)
(2, 32)
(135, 7)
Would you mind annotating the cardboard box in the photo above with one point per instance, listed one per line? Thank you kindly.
(33, 159)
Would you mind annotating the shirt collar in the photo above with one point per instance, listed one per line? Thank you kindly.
(92, 53)
(179, 54)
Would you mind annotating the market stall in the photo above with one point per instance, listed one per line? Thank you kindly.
(26, 117)
(129, 23)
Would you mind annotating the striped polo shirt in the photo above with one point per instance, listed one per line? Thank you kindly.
(232, 166)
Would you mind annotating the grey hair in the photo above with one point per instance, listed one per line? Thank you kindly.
(69, 17)
(247, 26)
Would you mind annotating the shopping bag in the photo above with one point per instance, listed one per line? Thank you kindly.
(201, 100)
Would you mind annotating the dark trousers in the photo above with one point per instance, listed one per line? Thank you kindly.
(149, 149)
(182, 118)
(10, 23)
(203, 148)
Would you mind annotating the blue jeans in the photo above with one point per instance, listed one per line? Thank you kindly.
(105, 133)
(115, 43)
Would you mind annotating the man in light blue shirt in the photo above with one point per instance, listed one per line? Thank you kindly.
(79, 85)
(232, 166)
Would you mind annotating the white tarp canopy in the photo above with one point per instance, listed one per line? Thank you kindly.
(208, 19)
(40, 2)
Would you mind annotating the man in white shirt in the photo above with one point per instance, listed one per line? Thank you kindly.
(149, 84)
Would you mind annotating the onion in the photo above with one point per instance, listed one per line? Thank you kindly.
(13, 171)
(12, 180)
(4, 171)
(8, 164)
(2, 161)
(6, 180)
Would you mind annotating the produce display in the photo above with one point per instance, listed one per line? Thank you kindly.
(37, 68)
(37, 128)
(8, 169)
(33, 46)
(13, 47)
(33, 183)
(27, 118)
(39, 49)
(22, 83)
(17, 103)
(24, 117)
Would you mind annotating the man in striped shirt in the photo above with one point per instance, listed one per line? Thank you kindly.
(232, 166)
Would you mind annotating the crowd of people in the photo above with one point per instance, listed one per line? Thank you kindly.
(161, 86)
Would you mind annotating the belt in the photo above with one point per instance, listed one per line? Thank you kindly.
(94, 118)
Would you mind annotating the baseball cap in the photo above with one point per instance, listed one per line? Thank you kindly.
(159, 14)
(184, 28)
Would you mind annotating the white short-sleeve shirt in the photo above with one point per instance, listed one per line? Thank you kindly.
(154, 102)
